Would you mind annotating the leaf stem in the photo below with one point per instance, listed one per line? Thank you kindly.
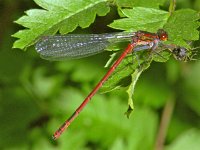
(172, 6)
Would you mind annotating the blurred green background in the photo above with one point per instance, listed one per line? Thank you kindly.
(36, 96)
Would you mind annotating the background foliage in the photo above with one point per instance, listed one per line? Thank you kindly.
(36, 96)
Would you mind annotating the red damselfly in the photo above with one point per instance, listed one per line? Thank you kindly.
(76, 46)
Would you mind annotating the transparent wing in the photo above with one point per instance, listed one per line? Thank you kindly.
(73, 46)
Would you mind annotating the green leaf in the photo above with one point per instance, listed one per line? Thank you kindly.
(121, 76)
(130, 90)
(135, 76)
(60, 15)
(188, 140)
(140, 3)
(141, 18)
(182, 25)
(162, 55)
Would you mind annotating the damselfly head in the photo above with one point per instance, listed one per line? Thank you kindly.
(163, 36)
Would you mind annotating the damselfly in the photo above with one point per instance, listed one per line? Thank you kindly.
(81, 45)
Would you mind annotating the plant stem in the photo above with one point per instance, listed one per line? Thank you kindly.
(164, 124)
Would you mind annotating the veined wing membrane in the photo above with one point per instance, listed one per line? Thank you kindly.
(73, 46)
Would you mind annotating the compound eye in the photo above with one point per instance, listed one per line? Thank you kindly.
(162, 35)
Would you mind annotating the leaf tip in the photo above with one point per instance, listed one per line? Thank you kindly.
(129, 111)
